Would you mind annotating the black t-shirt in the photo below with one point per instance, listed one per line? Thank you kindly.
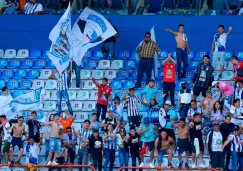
(34, 128)
(112, 121)
(95, 144)
(111, 39)
(134, 143)
(196, 131)
(226, 129)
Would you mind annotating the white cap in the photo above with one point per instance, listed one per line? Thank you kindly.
(214, 83)
(168, 102)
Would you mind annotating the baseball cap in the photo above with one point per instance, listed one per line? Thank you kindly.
(216, 123)
(214, 83)
(168, 102)
(236, 128)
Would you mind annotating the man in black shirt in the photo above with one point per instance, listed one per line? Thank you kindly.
(34, 127)
(109, 45)
(227, 128)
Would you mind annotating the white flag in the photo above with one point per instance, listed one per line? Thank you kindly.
(60, 48)
(90, 29)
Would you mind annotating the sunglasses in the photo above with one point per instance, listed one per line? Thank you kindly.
(69, 131)
(147, 36)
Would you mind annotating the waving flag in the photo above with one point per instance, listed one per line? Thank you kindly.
(90, 29)
(59, 51)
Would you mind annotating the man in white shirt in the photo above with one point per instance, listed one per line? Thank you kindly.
(219, 48)
(5, 100)
(33, 8)
(184, 100)
(32, 150)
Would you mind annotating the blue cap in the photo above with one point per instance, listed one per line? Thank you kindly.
(33, 160)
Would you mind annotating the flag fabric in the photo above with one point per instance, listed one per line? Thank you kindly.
(155, 69)
(60, 47)
(90, 29)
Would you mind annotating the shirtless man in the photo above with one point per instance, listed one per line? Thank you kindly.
(18, 131)
(164, 145)
(182, 50)
(183, 141)
(55, 142)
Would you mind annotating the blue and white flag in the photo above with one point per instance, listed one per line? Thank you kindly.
(90, 29)
(155, 69)
(60, 47)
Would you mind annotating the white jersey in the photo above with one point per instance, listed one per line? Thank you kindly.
(31, 151)
(220, 42)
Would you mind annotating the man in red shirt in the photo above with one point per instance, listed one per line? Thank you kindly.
(104, 92)
(237, 69)
(169, 67)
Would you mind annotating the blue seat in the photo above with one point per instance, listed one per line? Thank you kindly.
(193, 65)
(176, 13)
(173, 54)
(2, 84)
(20, 73)
(133, 75)
(97, 54)
(123, 74)
(90, 64)
(35, 53)
(3, 63)
(191, 13)
(44, 54)
(169, 4)
(25, 84)
(159, 64)
(178, 85)
(133, 54)
(185, 4)
(39, 63)
(239, 54)
(119, 93)
(191, 55)
(130, 64)
(33, 74)
(7, 73)
(160, 97)
(165, 13)
(200, 54)
(163, 54)
(88, 54)
(228, 55)
(124, 54)
(116, 84)
(128, 84)
(139, 94)
(213, 12)
(17, 93)
(142, 108)
(50, 65)
(27, 63)
(13, 84)
(158, 84)
(14, 63)
(160, 75)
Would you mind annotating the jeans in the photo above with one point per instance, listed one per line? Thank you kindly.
(109, 158)
(112, 49)
(123, 157)
(104, 110)
(183, 110)
(83, 157)
(227, 5)
(145, 65)
(182, 57)
(47, 145)
(76, 69)
(227, 153)
(97, 160)
(64, 94)
(99, 2)
(134, 156)
(169, 87)
(235, 160)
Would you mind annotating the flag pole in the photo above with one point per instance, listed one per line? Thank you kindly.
(71, 70)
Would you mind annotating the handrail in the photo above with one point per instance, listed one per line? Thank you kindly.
(163, 168)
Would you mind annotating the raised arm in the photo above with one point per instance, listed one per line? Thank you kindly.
(95, 82)
(171, 31)
(229, 31)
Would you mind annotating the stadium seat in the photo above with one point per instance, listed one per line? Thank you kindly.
(89, 106)
(37, 107)
(85, 74)
(47, 94)
(3, 63)
(10, 53)
(173, 54)
(239, 54)
(160, 75)
(27, 63)
(22, 53)
(76, 105)
(2, 84)
(123, 54)
(64, 106)
(158, 84)
(191, 55)
(88, 84)
(189, 75)
(133, 54)
(7, 73)
(17, 93)
(51, 84)
(20, 74)
(93, 95)
(169, 4)
(163, 54)
(88, 54)
(139, 94)
(44, 54)
(82, 95)
(97, 74)
(159, 64)
(45, 73)
(160, 97)
(123, 74)
(90, 64)
(110, 74)
(191, 13)
(50, 106)
(116, 84)
(13, 84)
(193, 65)
(72, 94)
(113, 94)
(130, 64)
(37, 84)
(14, 63)
(116, 64)
(177, 13)
(50, 65)
(216, 75)
(228, 65)
(35, 53)
(142, 108)
(200, 54)
(212, 12)
(33, 74)
(164, 13)
(227, 75)
(53, 95)
(228, 55)
(1, 53)
(39, 64)
(128, 84)
(104, 64)
(119, 93)
(97, 54)
(25, 84)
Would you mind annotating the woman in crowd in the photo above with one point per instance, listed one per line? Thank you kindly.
(217, 113)
(122, 141)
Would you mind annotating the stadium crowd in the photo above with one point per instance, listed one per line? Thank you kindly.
(218, 117)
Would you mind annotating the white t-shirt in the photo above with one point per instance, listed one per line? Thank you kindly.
(5, 107)
(32, 8)
(186, 97)
(220, 42)
(241, 11)
(217, 141)
(32, 151)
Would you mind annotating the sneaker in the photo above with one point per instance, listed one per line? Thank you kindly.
(187, 166)
(49, 163)
(141, 164)
(201, 165)
(89, 163)
(170, 165)
(180, 165)
(54, 163)
(193, 166)
(12, 162)
(151, 165)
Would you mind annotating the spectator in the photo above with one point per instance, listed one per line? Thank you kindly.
(182, 50)
(235, 111)
(66, 122)
(214, 145)
(94, 124)
(238, 93)
(146, 62)
(203, 77)
(118, 108)
(6, 137)
(5, 100)
(33, 7)
(122, 141)
(225, 89)
(104, 92)
(150, 92)
(10, 7)
(110, 119)
(237, 69)
(76, 69)
(147, 133)
(216, 91)
(219, 48)
(193, 110)
(70, 141)
(227, 5)
(217, 113)
(169, 65)
(101, 3)
(62, 90)
(184, 99)
(109, 45)
(32, 150)
(153, 113)
(34, 127)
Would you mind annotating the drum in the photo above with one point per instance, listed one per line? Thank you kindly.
(162, 121)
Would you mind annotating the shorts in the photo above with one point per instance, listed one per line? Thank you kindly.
(6, 147)
(161, 154)
(55, 144)
(183, 145)
(218, 58)
(71, 153)
(201, 145)
(197, 90)
(150, 145)
(17, 141)
(134, 121)
(217, 159)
